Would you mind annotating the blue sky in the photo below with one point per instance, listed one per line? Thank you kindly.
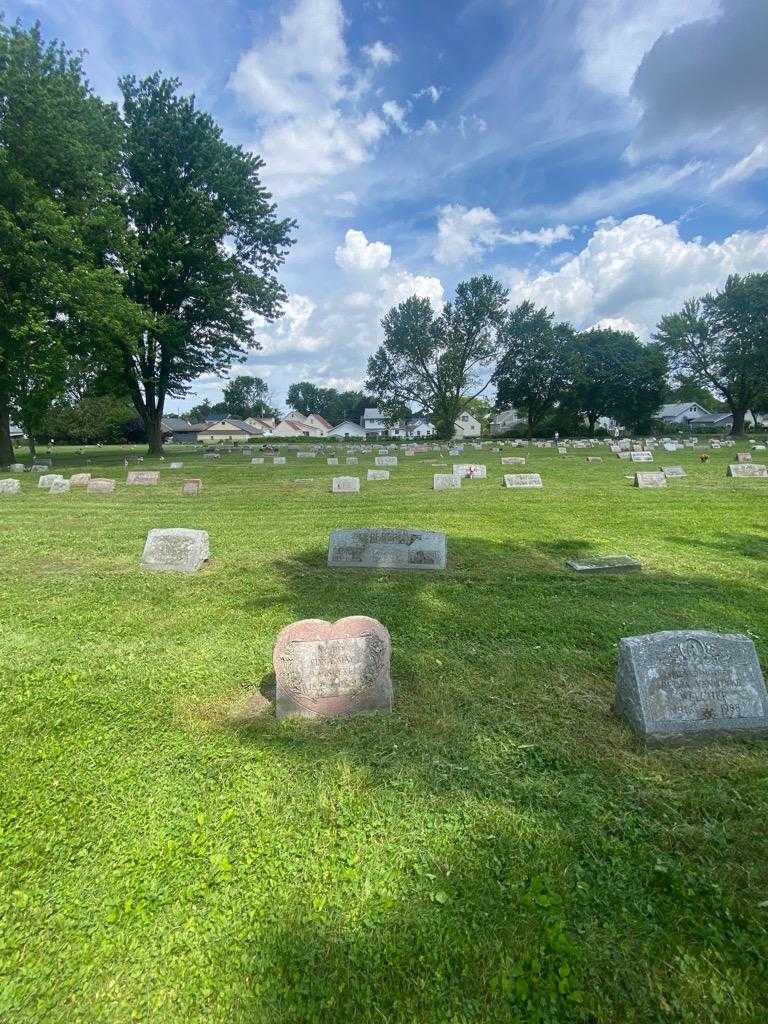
(606, 158)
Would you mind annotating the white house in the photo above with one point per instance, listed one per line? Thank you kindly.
(212, 431)
(264, 424)
(347, 429)
(294, 426)
(682, 413)
(505, 421)
(466, 426)
(419, 426)
(373, 422)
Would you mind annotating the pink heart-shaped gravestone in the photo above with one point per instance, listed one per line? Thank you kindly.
(330, 670)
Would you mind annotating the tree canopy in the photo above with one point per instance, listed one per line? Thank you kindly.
(335, 406)
(440, 362)
(721, 342)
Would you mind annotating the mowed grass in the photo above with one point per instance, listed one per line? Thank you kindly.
(498, 849)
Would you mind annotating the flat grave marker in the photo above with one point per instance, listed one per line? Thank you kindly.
(645, 456)
(192, 487)
(100, 485)
(747, 469)
(516, 480)
(445, 482)
(175, 550)
(387, 548)
(142, 478)
(469, 471)
(602, 564)
(674, 472)
(378, 474)
(651, 479)
(385, 460)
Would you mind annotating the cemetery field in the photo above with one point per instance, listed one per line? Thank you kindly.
(498, 849)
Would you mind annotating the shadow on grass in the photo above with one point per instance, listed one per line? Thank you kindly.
(747, 545)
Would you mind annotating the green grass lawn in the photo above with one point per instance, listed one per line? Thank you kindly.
(498, 849)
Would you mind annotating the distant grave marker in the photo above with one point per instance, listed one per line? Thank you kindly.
(513, 460)
(60, 486)
(601, 564)
(516, 480)
(99, 485)
(278, 460)
(446, 481)
(654, 479)
(47, 480)
(645, 456)
(80, 479)
(687, 685)
(747, 469)
(385, 460)
(192, 487)
(176, 465)
(673, 472)
(378, 474)
(257, 462)
(142, 478)
(345, 485)
(469, 471)
(175, 550)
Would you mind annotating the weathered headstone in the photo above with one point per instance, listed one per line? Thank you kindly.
(176, 465)
(385, 460)
(645, 456)
(469, 471)
(623, 454)
(257, 462)
(378, 474)
(673, 472)
(10, 486)
(100, 485)
(522, 480)
(654, 479)
(80, 479)
(513, 460)
(278, 460)
(345, 484)
(688, 685)
(47, 480)
(175, 550)
(747, 469)
(192, 487)
(743, 456)
(331, 670)
(306, 455)
(600, 564)
(17, 467)
(445, 481)
(387, 548)
(332, 462)
(351, 461)
(59, 486)
(142, 478)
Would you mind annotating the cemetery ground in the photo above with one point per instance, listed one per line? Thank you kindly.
(499, 848)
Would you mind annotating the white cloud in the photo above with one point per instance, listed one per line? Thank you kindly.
(755, 162)
(614, 35)
(290, 333)
(304, 91)
(395, 113)
(463, 234)
(636, 270)
(431, 91)
(400, 285)
(379, 54)
(358, 254)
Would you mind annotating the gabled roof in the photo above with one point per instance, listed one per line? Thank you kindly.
(320, 419)
(678, 408)
(373, 414)
(237, 424)
(174, 423)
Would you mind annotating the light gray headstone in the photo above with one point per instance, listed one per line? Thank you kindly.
(278, 460)
(59, 487)
(192, 487)
(469, 471)
(522, 480)
(176, 465)
(385, 460)
(378, 474)
(593, 459)
(17, 467)
(10, 487)
(100, 485)
(175, 550)
(351, 461)
(743, 456)
(345, 484)
(445, 481)
(623, 454)
(387, 548)
(688, 685)
(326, 670)
(332, 462)
(650, 480)
(673, 472)
(143, 478)
(747, 469)
(306, 455)
(47, 480)
(257, 462)
(641, 456)
(600, 564)
(80, 479)
(513, 460)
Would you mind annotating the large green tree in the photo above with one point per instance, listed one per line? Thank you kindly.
(721, 342)
(209, 247)
(615, 375)
(539, 365)
(440, 363)
(61, 231)
(246, 396)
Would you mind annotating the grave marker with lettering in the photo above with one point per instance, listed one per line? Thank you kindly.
(60, 486)
(523, 480)
(192, 487)
(385, 460)
(446, 481)
(673, 472)
(80, 479)
(687, 685)
(469, 471)
(387, 548)
(332, 670)
(645, 456)
(654, 479)
(513, 460)
(142, 478)
(10, 486)
(747, 469)
(378, 474)
(345, 485)
(100, 485)
(47, 480)
(175, 550)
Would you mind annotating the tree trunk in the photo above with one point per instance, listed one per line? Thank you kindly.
(154, 426)
(6, 445)
(530, 426)
(738, 422)
(591, 420)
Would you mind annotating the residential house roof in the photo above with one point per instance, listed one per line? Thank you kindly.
(673, 409)
(228, 421)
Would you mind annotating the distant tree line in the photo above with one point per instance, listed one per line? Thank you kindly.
(715, 350)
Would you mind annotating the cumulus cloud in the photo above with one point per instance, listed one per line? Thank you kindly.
(463, 234)
(358, 254)
(289, 335)
(614, 35)
(637, 269)
(379, 54)
(401, 285)
(307, 97)
(706, 83)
